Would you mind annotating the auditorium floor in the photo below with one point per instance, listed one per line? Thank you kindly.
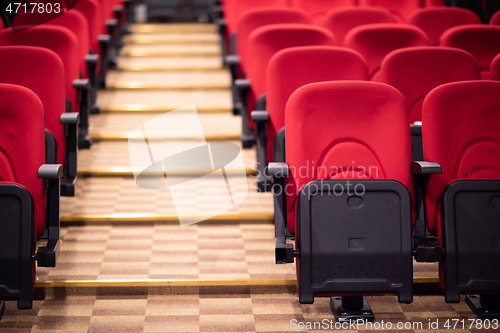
(126, 265)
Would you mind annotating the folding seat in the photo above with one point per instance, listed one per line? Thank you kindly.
(317, 8)
(310, 64)
(482, 41)
(400, 9)
(416, 71)
(99, 38)
(340, 21)
(26, 204)
(78, 25)
(348, 191)
(460, 133)
(233, 10)
(43, 73)
(251, 20)
(436, 20)
(375, 41)
(262, 44)
(63, 42)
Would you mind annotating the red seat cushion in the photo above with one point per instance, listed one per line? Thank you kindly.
(42, 71)
(415, 71)
(400, 9)
(341, 20)
(375, 41)
(266, 41)
(315, 9)
(436, 20)
(482, 41)
(22, 143)
(460, 132)
(310, 64)
(339, 130)
(256, 18)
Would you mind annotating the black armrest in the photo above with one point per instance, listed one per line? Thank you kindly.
(83, 88)
(260, 116)
(71, 121)
(425, 168)
(111, 24)
(104, 45)
(233, 60)
(263, 181)
(92, 60)
(47, 256)
(284, 252)
(242, 84)
(278, 170)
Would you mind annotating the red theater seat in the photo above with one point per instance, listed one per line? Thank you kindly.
(460, 132)
(23, 199)
(416, 71)
(251, 20)
(262, 44)
(495, 18)
(42, 71)
(375, 41)
(315, 9)
(495, 68)
(482, 41)
(340, 21)
(64, 43)
(348, 187)
(436, 20)
(311, 64)
(400, 9)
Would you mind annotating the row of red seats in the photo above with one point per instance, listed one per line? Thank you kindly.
(352, 197)
(44, 108)
(336, 132)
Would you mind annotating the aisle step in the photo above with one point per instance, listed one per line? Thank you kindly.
(118, 126)
(112, 158)
(174, 50)
(172, 38)
(185, 28)
(208, 80)
(212, 101)
(171, 64)
(108, 200)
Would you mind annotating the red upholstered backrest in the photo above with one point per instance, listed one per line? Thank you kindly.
(258, 17)
(460, 132)
(436, 20)
(58, 39)
(90, 8)
(415, 71)
(41, 71)
(495, 18)
(22, 143)
(340, 21)
(73, 20)
(495, 68)
(317, 8)
(400, 9)
(234, 9)
(345, 130)
(310, 64)
(482, 41)
(375, 41)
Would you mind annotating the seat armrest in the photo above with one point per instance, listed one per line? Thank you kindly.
(279, 170)
(81, 84)
(260, 116)
(232, 60)
(83, 87)
(50, 171)
(425, 168)
(92, 59)
(242, 84)
(70, 118)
